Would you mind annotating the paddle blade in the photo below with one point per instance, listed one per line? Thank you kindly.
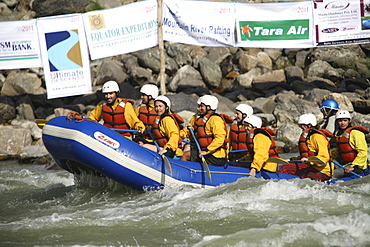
(207, 169)
(41, 122)
(279, 161)
(316, 160)
(167, 164)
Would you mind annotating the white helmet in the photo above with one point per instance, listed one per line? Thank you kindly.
(110, 86)
(254, 121)
(209, 100)
(150, 90)
(245, 109)
(164, 99)
(342, 114)
(199, 101)
(307, 119)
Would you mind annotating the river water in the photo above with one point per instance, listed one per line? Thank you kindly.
(40, 207)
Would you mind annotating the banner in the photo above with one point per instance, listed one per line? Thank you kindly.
(274, 25)
(19, 45)
(199, 23)
(121, 30)
(64, 55)
(342, 22)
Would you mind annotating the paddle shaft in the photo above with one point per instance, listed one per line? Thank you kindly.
(125, 130)
(237, 151)
(202, 157)
(151, 136)
(164, 157)
(353, 173)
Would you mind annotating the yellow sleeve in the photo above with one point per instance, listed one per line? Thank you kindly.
(185, 133)
(137, 110)
(97, 113)
(319, 144)
(229, 144)
(132, 119)
(358, 142)
(169, 129)
(261, 147)
(215, 126)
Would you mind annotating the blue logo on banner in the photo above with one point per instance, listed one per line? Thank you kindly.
(63, 50)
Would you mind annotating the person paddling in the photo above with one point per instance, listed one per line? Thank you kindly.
(210, 130)
(351, 145)
(145, 111)
(165, 130)
(238, 134)
(260, 145)
(328, 109)
(117, 113)
(313, 145)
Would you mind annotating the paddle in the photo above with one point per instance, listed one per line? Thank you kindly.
(164, 157)
(202, 157)
(237, 151)
(125, 130)
(316, 160)
(41, 122)
(353, 173)
(279, 161)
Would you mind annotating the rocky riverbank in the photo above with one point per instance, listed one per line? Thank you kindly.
(280, 85)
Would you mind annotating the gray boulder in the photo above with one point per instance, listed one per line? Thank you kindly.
(34, 154)
(247, 78)
(181, 102)
(218, 54)
(58, 7)
(150, 58)
(289, 108)
(247, 62)
(186, 76)
(338, 56)
(18, 83)
(179, 52)
(294, 73)
(264, 105)
(36, 132)
(211, 73)
(110, 70)
(25, 108)
(290, 132)
(14, 139)
(7, 109)
(323, 69)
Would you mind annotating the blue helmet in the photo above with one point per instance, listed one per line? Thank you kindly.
(330, 103)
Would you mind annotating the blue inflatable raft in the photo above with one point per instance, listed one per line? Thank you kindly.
(79, 146)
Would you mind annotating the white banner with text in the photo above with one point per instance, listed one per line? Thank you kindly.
(64, 55)
(19, 45)
(199, 23)
(274, 25)
(121, 30)
(342, 22)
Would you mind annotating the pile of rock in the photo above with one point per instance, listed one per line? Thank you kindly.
(280, 84)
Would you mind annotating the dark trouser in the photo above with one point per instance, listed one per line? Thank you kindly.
(233, 157)
(210, 159)
(340, 173)
(304, 170)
